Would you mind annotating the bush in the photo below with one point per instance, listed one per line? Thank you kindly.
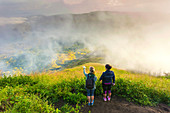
(38, 93)
(139, 93)
(17, 80)
(69, 109)
(30, 104)
(74, 98)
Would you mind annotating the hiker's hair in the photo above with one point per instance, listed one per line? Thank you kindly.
(92, 70)
(108, 66)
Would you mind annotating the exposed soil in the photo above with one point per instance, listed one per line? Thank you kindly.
(118, 105)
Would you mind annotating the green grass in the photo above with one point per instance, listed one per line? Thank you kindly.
(41, 91)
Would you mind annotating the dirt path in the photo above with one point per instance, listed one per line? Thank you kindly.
(118, 105)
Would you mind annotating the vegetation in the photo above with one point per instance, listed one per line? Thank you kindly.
(41, 92)
(36, 60)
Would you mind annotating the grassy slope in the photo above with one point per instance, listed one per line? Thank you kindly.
(161, 84)
(49, 87)
(131, 86)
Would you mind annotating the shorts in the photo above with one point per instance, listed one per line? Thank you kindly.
(90, 92)
(106, 88)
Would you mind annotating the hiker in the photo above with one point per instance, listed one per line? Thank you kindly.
(90, 84)
(108, 80)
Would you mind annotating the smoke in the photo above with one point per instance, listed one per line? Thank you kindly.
(140, 46)
(130, 41)
(146, 51)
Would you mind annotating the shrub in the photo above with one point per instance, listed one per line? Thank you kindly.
(69, 109)
(17, 80)
(139, 93)
(30, 104)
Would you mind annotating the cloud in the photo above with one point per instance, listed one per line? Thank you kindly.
(14, 8)
(72, 2)
(16, 20)
(114, 3)
(33, 7)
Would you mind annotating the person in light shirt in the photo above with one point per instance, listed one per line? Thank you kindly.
(90, 92)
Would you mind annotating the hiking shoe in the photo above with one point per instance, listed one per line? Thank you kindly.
(108, 98)
(92, 103)
(104, 99)
(89, 104)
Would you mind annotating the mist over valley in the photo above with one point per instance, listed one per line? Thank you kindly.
(129, 41)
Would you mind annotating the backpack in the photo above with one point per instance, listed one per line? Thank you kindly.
(90, 82)
(107, 79)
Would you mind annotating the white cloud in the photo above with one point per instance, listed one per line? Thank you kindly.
(14, 20)
(72, 2)
(115, 3)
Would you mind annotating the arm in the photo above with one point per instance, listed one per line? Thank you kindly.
(101, 78)
(95, 78)
(113, 78)
(84, 71)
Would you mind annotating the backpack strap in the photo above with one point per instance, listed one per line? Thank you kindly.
(92, 77)
(87, 75)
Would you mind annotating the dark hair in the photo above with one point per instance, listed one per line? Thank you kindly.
(108, 66)
(92, 70)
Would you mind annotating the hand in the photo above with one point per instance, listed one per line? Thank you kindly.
(113, 84)
(84, 67)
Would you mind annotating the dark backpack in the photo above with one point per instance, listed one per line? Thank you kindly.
(90, 82)
(107, 79)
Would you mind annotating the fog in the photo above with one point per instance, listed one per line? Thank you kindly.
(131, 41)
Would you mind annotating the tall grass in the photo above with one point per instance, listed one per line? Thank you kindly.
(48, 88)
(139, 88)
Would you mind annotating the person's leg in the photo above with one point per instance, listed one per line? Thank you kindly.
(104, 92)
(92, 96)
(88, 96)
(109, 93)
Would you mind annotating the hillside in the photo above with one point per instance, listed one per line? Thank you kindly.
(64, 91)
(37, 42)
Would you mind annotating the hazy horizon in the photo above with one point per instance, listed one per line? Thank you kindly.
(22, 8)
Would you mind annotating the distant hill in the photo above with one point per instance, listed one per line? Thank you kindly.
(126, 35)
(82, 22)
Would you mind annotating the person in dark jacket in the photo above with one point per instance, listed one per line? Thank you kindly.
(108, 80)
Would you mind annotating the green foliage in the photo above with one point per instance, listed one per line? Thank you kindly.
(139, 93)
(39, 93)
(8, 96)
(69, 109)
(17, 80)
(77, 62)
(30, 104)
(167, 76)
(73, 47)
(17, 100)
(74, 98)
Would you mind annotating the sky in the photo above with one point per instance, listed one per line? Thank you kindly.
(21, 8)
(16, 11)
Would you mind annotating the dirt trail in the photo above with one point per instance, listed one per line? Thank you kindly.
(118, 105)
